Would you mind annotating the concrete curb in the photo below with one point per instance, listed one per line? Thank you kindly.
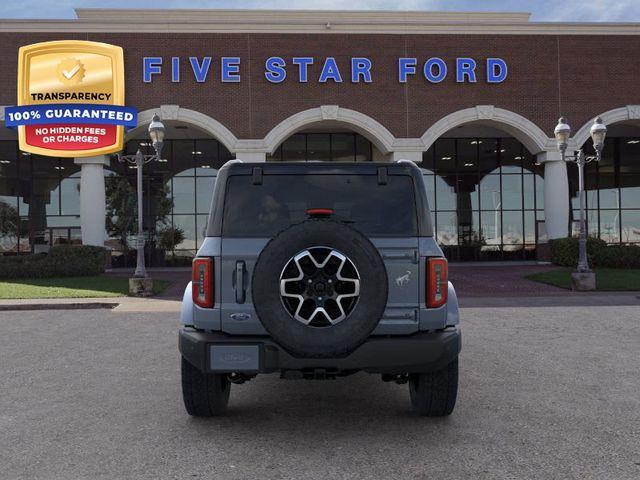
(57, 306)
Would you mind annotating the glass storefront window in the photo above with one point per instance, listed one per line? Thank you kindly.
(530, 227)
(491, 225)
(204, 193)
(511, 155)
(182, 157)
(467, 154)
(319, 147)
(512, 228)
(343, 147)
(8, 159)
(183, 189)
(612, 190)
(630, 223)
(188, 225)
(512, 192)
(630, 190)
(485, 193)
(70, 196)
(445, 196)
(609, 225)
(490, 193)
(445, 157)
(294, 149)
(447, 228)
(487, 158)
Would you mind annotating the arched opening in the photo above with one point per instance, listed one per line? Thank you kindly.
(612, 186)
(486, 193)
(328, 133)
(326, 141)
(177, 194)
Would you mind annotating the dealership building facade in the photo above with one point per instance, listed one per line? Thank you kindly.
(472, 98)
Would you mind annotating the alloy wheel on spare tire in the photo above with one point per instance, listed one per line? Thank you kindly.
(319, 288)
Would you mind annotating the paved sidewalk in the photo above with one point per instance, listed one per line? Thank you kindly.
(491, 280)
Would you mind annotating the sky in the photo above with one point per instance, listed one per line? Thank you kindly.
(542, 10)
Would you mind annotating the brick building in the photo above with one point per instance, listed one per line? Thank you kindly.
(472, 97)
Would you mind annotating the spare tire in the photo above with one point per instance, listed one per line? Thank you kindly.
(319, 288)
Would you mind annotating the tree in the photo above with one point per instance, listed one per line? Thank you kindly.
(122, 208)
(9, 224)
(9, 220)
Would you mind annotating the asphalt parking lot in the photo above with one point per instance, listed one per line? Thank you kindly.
(551, 392)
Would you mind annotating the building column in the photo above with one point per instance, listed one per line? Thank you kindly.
(93, 209)
(556, 195)
(251, 156)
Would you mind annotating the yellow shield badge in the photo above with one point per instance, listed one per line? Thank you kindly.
(71, 99)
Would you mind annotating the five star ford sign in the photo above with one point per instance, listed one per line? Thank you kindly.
(70, 99)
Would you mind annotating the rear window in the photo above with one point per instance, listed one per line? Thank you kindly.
(281, 200)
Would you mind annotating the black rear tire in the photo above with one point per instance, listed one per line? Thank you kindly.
(433, 394)
(204, 394)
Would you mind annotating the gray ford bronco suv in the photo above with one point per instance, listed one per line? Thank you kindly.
(319, 270)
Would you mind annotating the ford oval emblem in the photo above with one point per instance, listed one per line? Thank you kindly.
(240, 316)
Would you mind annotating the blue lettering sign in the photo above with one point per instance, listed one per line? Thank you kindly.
(330, 71)
(496, 70)
(175, 69)
(360, 67)
(200, 71)
(434, 69)
(275, 69)
(151, 66)
(303, 64)
(406, 66)
(428, 70)
(230, 70)
(465, 67)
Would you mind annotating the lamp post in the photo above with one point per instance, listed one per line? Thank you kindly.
(156, 133)
(562, 133)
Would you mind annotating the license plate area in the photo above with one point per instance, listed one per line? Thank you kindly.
(234, 358)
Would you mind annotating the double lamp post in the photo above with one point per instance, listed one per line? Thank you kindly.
(583, 278)
(141, 283)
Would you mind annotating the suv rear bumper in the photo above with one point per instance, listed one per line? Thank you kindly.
(420, 352)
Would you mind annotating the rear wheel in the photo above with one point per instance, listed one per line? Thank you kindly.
(433, 394)
(204, 394)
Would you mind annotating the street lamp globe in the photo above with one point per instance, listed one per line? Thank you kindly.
(156, 132)
(562, 133)
(598, 132)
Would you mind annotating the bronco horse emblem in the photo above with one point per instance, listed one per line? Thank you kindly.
(404, 279)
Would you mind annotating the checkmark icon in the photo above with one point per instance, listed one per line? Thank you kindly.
(71, 73)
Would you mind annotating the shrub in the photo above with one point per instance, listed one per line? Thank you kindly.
(564, 252)
(169, 238)
(61, 261)
(618, 256)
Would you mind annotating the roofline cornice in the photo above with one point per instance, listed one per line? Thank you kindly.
(307, 21)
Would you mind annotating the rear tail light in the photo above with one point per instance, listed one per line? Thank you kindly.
(437, 282)
(320, 212)
(202, 282)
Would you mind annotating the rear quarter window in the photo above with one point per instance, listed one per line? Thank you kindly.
(282, 200)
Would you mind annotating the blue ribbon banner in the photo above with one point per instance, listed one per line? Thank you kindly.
(70, 113)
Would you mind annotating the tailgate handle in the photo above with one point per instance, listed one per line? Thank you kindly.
(413, 256)
(239, 281)
(412, 315)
